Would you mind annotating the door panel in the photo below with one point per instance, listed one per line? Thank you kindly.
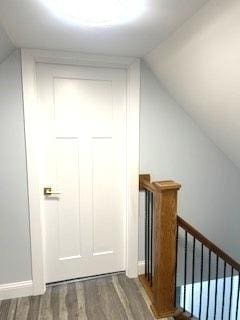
(103, 198)
(84, 157)
(67, 166)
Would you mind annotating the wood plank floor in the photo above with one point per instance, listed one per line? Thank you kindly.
(107, 298)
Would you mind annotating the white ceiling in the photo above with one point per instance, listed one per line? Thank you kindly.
(31, 25)
(200, 66)
(6, 46)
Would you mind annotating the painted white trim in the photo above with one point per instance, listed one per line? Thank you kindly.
(76, 58)
(133, 136)
(16, 290)
(132, 65)
(34, 195)
(141, 267)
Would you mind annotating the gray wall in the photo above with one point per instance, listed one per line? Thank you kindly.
(199, 66)
(15, 257)
(173, 147)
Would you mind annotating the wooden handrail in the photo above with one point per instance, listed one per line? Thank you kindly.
(144, 183)
(207, 243)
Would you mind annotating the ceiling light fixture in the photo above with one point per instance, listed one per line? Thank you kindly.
(96, 12)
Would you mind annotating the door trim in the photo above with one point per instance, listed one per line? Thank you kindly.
(132, 65)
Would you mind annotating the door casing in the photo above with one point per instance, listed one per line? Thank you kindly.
(132, 65)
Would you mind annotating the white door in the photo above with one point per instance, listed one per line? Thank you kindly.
(83, 120)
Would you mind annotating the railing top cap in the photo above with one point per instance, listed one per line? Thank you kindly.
(167, 185)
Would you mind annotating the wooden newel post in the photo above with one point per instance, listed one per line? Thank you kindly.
(165, 228)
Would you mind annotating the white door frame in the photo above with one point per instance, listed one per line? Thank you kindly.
(132, 65)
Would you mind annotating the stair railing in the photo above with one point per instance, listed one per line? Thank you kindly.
(209, 278)
(160, 244)
(186, 275)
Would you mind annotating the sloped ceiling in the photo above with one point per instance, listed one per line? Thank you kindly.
(199, 65)
(6, 46)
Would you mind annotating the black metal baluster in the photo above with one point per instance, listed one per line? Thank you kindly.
(216, 288)
(185, 270)
(148, 235)
(231, 291)
(146, 231)
(209, 281)
(151, 238)
(176, 266)
(193, 276)
(237, 306)
(201, 284)
(224, 287)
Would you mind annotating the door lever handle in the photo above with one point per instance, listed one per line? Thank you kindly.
(47, 191)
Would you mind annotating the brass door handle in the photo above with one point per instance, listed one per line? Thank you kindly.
(47, 191)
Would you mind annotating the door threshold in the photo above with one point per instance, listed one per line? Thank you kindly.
(57, 283)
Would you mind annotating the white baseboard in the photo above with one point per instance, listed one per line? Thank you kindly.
(16, 290)
(141, 267)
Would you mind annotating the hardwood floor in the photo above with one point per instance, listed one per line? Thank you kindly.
(107, 298)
